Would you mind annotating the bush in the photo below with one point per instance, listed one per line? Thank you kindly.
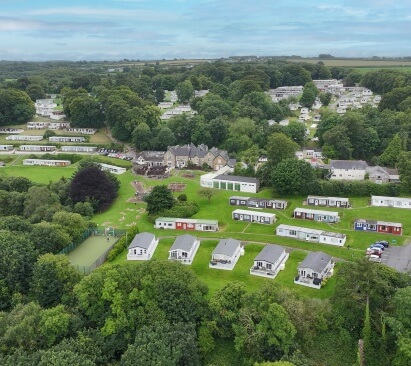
(182, 197)
(122, 243)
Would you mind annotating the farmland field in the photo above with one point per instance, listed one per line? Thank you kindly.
(355, 62)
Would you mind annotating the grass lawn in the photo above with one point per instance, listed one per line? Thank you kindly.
(122, 214)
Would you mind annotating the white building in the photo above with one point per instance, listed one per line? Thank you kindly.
(83, 149)
(269, 261)
(230, 182)
(184, 249)
(67, 139)
(313, 235)
(314, 269)
(112, 168)
(45, 162)
(347, 169)
(37, 148)
(397, 202)
(24, 138)
(226, 254)
(4, 148)
(254, 216)
(142, 247)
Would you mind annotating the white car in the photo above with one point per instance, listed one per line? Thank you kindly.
(374, 258)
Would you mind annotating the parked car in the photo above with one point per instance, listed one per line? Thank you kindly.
(383, 242)
(376, 251)
(374, 258)
(377, 245)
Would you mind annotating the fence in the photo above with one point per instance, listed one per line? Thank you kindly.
(85, 270)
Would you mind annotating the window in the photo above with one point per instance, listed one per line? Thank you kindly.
(223, 185)
(293, 232)
(216, 185)
(230, 186)
(237, 187)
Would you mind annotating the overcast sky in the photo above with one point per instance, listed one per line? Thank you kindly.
(157, 29)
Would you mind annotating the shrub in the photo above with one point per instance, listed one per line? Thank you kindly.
(182, 197)
(122, 243)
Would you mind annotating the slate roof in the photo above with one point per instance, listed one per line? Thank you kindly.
(236, 178)
(348, 164)
(142, 240)
(270, 253)
(183, 242)
(316, 261)
(226, 247)
(151, 155)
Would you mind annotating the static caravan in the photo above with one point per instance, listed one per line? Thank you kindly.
(238, 201)
(328, 201)
(84, 131)
(142, 247)
(313, 235)
(40, 148)
(276, 204)
(316, 215)
(253, 216)
(6, 148)
(67, 139)
(45, 162)
(331, 238)
(37, 125)
(397, 202)
(112, 168)
(269, 261)
(59, 125)
(24, 138)
(226, 254)
(184, 249)
(186, 224)
(316, 267)
(383, 227)
(257, 203)
(87, 149)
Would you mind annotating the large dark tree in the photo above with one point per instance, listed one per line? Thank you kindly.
(92, 184)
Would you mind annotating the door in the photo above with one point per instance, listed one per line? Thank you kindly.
(316, 202)
(241, 217)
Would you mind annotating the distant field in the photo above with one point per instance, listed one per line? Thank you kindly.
(354, 62)
(364, 70)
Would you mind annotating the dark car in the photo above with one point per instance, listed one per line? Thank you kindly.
(383, 242)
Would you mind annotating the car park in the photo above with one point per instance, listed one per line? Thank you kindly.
(377, 245)
(383, 242)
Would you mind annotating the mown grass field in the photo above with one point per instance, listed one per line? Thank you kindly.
(123, 213)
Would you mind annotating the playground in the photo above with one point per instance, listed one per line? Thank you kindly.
(91, 250)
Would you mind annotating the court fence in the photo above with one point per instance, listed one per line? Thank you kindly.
(85, 270)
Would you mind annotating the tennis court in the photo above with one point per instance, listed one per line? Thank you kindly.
(91, 249)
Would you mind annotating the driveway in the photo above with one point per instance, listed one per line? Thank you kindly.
(398, 258)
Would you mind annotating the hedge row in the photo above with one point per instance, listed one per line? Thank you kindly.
(123, 243)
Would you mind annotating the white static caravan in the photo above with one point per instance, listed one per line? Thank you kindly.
(397, 202)
(59, 125)
(254, 216)
(313, 235)
(81, 149)
(67, 139)
(112, 168)
(4, 148)
(24, 138)
(186, 224)
(37, 125)
(269, 261)
(45, 162)
(37, 148)
(142, 247)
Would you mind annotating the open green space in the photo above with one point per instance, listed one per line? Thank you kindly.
(346, 62)
(90, 250)
(125, 213)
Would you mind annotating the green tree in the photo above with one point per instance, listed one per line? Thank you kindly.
(86, 112)
(160, 198)
(40, 204)
(73, 223)
(325, 98)
(53, 280)
(185, 91)
(16, 107)
(164, 138)
(337, 139)
(393, 151)
(49, 238)
(225, 306)
(296, 131)
(293, 177)
(35, 91)
(404, 168)
(280, 147)
(207, 193)
(142, 137)
(163, 344)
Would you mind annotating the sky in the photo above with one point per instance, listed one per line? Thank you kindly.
(38, 30)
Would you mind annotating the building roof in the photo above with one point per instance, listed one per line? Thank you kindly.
(227, 247)
(258, 213)
(183, 242)
(236, 178)
(348, 164)
(316, 261)
(377, 222)
(232, 197)
(270, 253)
(317, 212)
(151, 155)
(329, 198)
(397, 199)
(142, 240)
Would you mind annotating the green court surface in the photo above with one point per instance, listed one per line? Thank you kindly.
(90, 250)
